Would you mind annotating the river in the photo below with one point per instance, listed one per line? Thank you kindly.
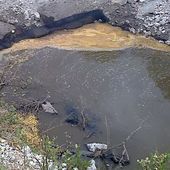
(115, 89)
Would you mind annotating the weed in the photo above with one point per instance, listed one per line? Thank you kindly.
(76, 160)
(155, 161)
(21, 131)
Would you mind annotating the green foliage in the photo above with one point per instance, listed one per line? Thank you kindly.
(11, 123)
(76, 160)
(10, 118)
(49, 152)
(2, 167)
(155, 161)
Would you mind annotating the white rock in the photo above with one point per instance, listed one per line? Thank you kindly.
(37, 15)
(142, 0)
(92, 165)
(64, 168)
(3, 140)
(49, 108)
(75, 169)
(93, 146)
(168, 42)
(64, 165)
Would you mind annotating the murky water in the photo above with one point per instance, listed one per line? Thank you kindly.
(116, 90)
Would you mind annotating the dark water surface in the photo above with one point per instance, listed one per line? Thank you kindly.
(116, 90)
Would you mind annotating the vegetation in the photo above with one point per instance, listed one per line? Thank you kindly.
(16, 128)
(155, 161)
(20, 130)
(76, 160)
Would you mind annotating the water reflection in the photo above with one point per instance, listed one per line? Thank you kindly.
(122, 87)
(159, 70)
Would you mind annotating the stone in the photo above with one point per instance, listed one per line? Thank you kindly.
(167, 42)
(92, 165)
(132, 30)
(92, 147)
(47, 107)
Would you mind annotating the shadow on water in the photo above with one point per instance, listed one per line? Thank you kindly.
(122, 87)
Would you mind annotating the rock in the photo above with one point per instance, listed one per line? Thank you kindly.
(13, 158)
(47, 107)
(92, 147)
(167, 42)
(132, 30)
(92, 165)
(37, 15)
(64, 165)
(75, 169)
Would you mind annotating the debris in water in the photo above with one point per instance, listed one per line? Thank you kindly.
(47, 107)
(73, 119)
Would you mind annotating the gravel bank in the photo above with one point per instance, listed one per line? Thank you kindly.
(148, 17)
(23, 158)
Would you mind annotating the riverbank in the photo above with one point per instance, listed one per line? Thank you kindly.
(149, 18)
(90, 38)
(22, 146)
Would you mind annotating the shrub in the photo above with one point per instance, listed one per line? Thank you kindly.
(155, 161)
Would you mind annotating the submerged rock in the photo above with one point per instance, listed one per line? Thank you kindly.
(92, 165)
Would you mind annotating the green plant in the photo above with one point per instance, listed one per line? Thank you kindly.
(76, 160)
(49, 152)
(23, 129)
(2, 167)
(155, 161)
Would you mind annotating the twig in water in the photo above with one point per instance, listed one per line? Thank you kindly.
(82, 113)
(89, 135)
(83, 120)
(107, 131)
(124, 159)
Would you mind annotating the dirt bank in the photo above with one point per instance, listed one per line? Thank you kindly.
(91, 37)
(145, 17)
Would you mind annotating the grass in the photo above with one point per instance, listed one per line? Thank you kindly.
(54, 153)
(16, 128)
(21, 130)
(155, 161)
(76, 161)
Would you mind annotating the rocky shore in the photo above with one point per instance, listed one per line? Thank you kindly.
(148, 17)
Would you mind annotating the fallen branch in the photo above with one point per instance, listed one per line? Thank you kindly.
(82, 114)
(33, 105)
(121, 159)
